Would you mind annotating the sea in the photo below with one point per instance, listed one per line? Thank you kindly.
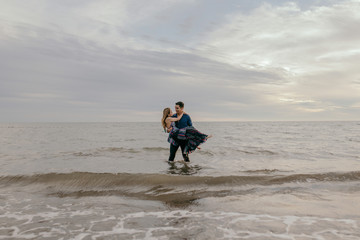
(251, 180)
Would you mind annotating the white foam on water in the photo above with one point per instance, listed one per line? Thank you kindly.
(80, 236)
(226, 218)
(49, 219)
(52, 208)
(164, 224)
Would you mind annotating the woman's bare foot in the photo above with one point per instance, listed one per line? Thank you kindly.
(210, 136)
(198, 148)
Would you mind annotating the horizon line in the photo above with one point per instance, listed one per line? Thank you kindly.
(221, 121)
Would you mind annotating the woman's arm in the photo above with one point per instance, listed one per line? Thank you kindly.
(173, 119)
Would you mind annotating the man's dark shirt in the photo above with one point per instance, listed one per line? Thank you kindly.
(185, 121)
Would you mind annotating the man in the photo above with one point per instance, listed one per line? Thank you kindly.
(184, 122)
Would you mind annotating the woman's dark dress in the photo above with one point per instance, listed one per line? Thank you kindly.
(192, 135)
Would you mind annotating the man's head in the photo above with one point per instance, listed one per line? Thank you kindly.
(179, 107)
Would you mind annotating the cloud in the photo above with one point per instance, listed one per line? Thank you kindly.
(125, 60)
(69, 74)
(317, 48)
(285, 36)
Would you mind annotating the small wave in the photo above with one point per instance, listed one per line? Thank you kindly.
(100, 151)
(324, 177)
(109, 180)
(267, 152)
(246, 152)
(118, 149)
(81, 154)
(178, 190)
(258, 152)
(266, 171)
(104, 150)
(205, 152)
(155, 149)
(130, 140)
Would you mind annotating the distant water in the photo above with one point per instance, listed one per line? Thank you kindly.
(252, 180)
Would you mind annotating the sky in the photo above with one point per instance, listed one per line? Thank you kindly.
(228, 60)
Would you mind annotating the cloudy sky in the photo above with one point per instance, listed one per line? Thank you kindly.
(228, 60)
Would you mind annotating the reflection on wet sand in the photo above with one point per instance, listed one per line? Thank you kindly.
(182, 168)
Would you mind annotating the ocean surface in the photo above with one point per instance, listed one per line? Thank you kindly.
(252, 180)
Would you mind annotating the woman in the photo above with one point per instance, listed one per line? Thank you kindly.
(194, 137)
(167, 121)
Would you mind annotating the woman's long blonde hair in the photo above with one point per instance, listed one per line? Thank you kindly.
(166, 113)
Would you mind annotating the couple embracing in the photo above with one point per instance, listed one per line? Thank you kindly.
(181, 132)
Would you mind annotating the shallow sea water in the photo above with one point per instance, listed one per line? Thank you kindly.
(252, 180)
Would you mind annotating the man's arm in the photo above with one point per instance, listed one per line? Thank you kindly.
(189, 122)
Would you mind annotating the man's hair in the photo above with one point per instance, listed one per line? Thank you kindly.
(181, 104)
